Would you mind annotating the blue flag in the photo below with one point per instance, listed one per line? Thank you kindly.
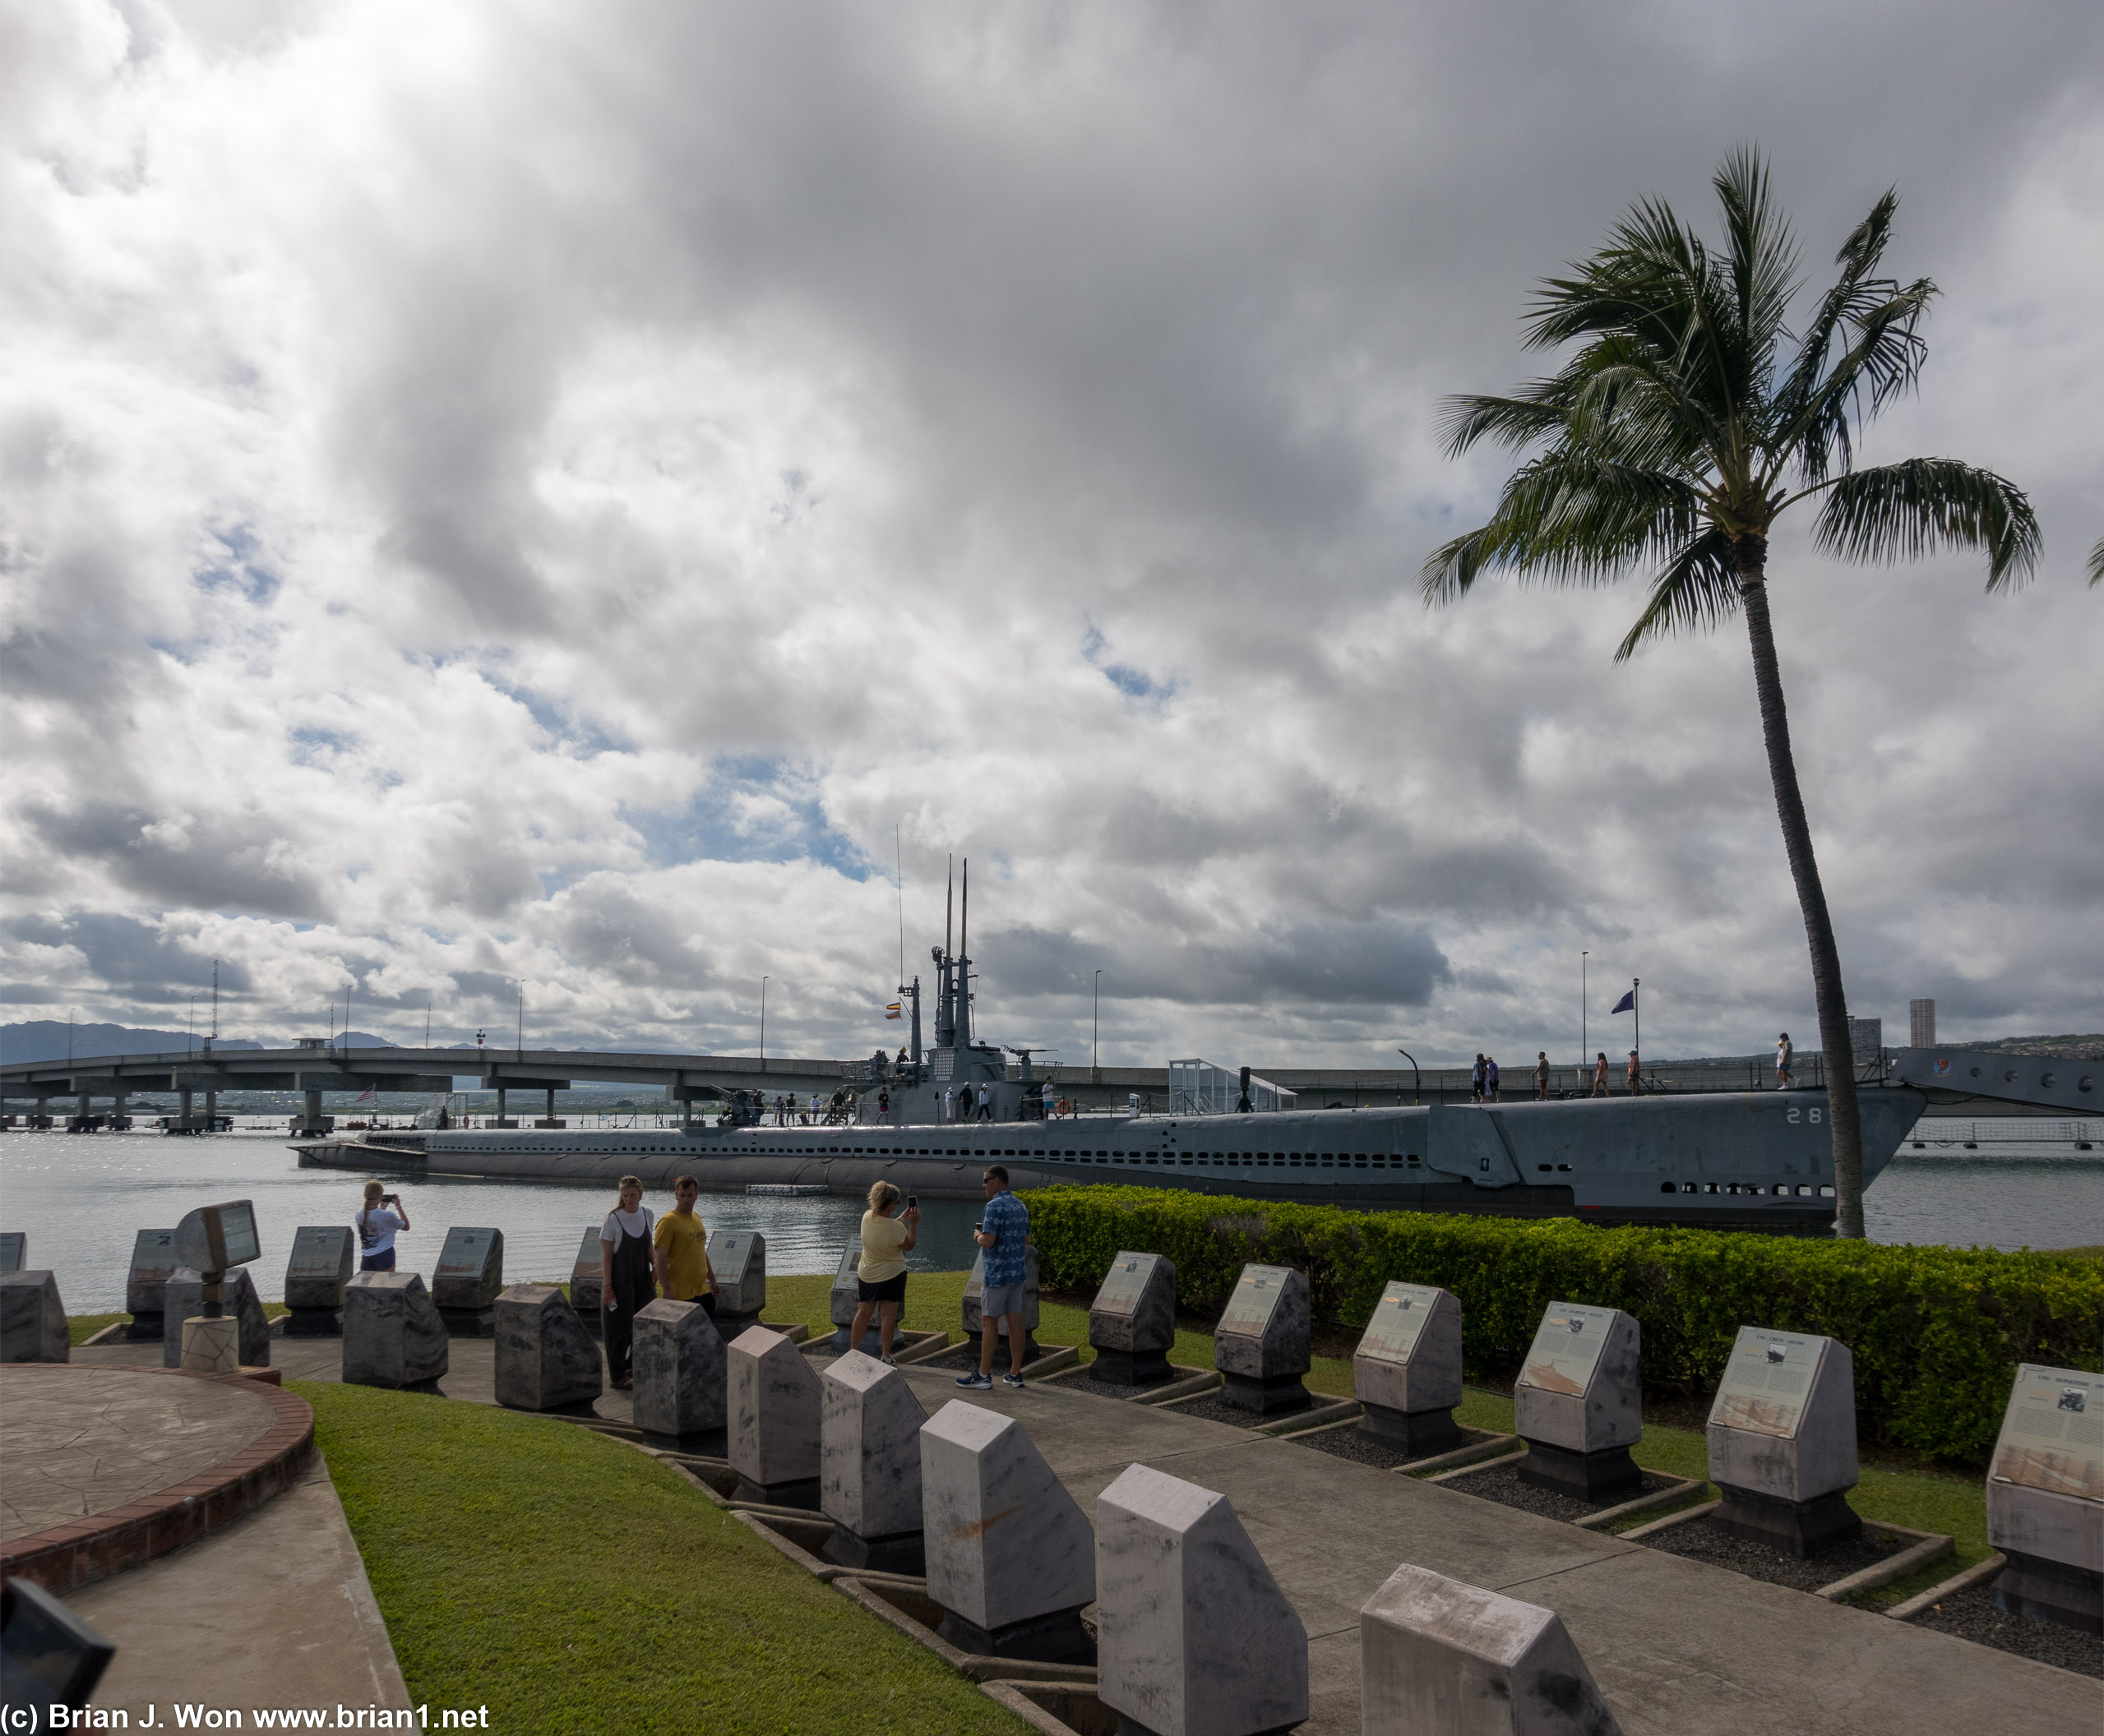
(1627, 1004)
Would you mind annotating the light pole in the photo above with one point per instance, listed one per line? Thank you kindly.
(1416, 1078)
(763, 1024)
(1585, 1035)
(1095, 1024)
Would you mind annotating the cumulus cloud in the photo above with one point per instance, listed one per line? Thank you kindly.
(561, 501)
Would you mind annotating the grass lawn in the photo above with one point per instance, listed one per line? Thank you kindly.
(81, 1327)
(569, 1582)
(1925, 1501)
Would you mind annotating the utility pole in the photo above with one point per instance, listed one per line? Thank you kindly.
(763, 1024)
(1584, 1035)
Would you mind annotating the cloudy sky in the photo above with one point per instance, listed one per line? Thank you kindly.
(551, 492)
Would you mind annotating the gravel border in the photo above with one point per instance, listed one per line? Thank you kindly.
(1363, 1449)
(1500, 1483)
(1208, 1406)
(1702, 1539)
(1970, 1614)
(1086, 1383)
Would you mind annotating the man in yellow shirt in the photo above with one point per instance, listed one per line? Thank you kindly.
(679, 1249)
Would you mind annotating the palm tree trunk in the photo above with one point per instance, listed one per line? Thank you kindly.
(1751, 555)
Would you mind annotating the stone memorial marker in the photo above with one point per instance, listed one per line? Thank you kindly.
(2045, 1498)
(1010, 1557)
(869, 1476)
(1437, 1655)
(1782, 1441)
(738, 1258)
(1407, 1371)
(153, 1258)
(185, 1290)
(545, 1358)
(1261, 1344)
(1577, 1404)
(588, 1281)
(845, 1297)
(1132, 1322)
(775, 1406)
(975, 1287)
(1193, 1636)
(32, 1318)
(14, 1251)
(215, 1242)
(392, 1335)
(315, 1275)
(465, 1285)
(679, 1371)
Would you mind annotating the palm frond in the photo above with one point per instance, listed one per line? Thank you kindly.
(2096, 563)
(1565, 519)
(1924, 504)
(1516, 421)
(1697, 589)
(1763, 267)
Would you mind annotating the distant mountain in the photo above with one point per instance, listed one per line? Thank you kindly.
(47, 1039)
(2072, 1048)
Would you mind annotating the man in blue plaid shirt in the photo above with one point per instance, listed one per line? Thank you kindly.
(1003, 1229)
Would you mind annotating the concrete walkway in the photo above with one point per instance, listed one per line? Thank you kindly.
(1677, 1646)
(273, 1611)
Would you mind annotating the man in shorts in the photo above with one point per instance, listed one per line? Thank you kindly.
(679, 1249)
(1003, 1232)
(1784, 1055)
(1541, 1076)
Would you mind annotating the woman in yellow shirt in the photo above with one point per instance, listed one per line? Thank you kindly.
(880, 1273)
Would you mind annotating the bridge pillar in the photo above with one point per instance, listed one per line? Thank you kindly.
(184, 1099)
(548, 1119)
(119, 1121)
(42, 1118)
(502, 1120)
(84, 1121)
(311, 1123)
(211, 1111)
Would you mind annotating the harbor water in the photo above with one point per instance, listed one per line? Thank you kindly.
(82, 1199)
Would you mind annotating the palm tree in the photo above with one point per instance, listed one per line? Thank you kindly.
(2096, 563)
(1689, 420)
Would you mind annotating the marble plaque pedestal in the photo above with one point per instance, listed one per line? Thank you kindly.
(679, 1391)
(1585, 1476)
(1132, 1367)
(872, 1338)
(32, 1319)
(212, 1345)
(392, 1335)
(545, 1359)
(1803, 1529)
(2043, 1590)
(773, 1404)
(239, 1303)
(1421, 1433)
(313, 1322)
(1270, 1395)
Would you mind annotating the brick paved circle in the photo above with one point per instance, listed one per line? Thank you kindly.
(108, 1465)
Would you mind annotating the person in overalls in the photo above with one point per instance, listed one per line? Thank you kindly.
(627, 1284)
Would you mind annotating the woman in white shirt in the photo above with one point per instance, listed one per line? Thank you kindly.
(627, 1283)
(376, 1226)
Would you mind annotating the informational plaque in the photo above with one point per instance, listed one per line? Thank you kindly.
(14, 1250)
(1399, 1321)
(318, 1252)
(1765, 1380)
(2052, 1435)
(738, 1258)
(470, 1269)
(1256, 1297)
(153, 1259)
(213, 1238)
(1125, 1284)
(1567, 1347)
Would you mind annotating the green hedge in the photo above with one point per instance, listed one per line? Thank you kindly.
(1937, 1332)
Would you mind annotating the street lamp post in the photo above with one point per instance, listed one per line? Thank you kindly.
(1416, 1078)
(1584, 1034)
(763, 1024)
(1095, 1025)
